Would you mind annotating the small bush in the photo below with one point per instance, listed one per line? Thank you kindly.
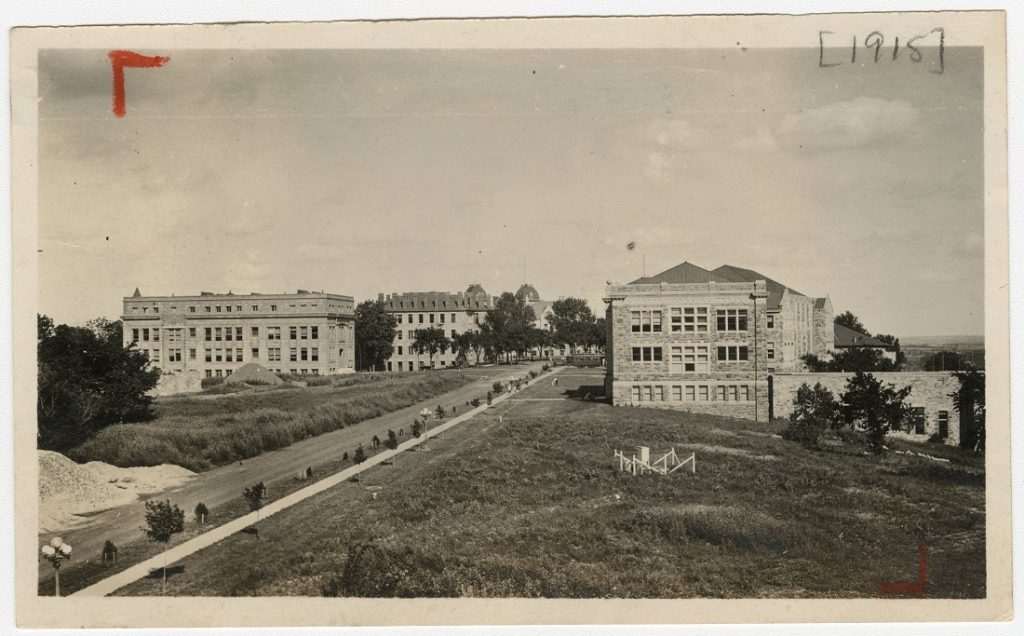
(497, 386)
(814, 410)
(392, 440)
(475, 402)
(417, 429)
(344, 456)
(360, 455)
(546, 367)
(206, 383)
(532, 374)
(439, 412)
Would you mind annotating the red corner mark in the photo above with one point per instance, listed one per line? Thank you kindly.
(910, 588)
(119, 60)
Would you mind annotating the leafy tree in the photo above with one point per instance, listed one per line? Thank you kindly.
(969, 402)
(202, 512)
(360, 455)
(874, 408)
(430, 341)
(163, 520)
(392, 441)
(847, 319)
(945, 361)
(894, 346)
(463, 344)
(507, 326)
(814, 410)
(253, 496)
(439, 412)
(598, 335)
(862, 359)
(417, 429)
(572, 321)
(87, 380)
(375, 334)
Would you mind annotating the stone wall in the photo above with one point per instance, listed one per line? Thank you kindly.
(930, 390)
(178, 382)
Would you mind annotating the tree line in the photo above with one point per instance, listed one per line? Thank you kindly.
(506, 331)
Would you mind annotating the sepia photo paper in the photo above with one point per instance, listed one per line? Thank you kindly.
(512, 321)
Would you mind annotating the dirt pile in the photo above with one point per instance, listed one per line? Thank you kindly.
(68, 490)
(253, 373)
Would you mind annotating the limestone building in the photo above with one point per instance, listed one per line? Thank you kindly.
(309, 333)
(454, 312)
(706, 340)
(542, 313)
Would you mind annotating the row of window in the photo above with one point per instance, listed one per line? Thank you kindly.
(409, 366)
(692, 393)
(430, 318)
(225, 334)
(295, 354)
(223, 373)
(687, 320)
(695, 358)
(411, 333)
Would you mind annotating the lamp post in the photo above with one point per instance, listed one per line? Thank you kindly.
(56, 552)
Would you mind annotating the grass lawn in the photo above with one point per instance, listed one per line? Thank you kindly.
(203, 431)
(533, 506)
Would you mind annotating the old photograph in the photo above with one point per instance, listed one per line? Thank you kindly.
(355, 315)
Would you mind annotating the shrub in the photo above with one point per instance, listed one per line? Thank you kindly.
(489, 398)
(360, 455)
(497, 386)
(439, 412)
(202, 512)
(207, 383)
(546, 367)
(417, 428)
(814, 410)
(532, 374)
(475, 402)
(874, 408)
(392, 440)
(344, 456)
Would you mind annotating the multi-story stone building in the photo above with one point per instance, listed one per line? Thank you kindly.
(542, 313)
(306, 332)
(455, 313)
(706, 340)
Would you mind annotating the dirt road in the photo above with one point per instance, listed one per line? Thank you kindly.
(221, 485)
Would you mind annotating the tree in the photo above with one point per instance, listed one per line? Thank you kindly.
(87, 380)
(359, 456)
(506, 326)
(163, 520)
(969, 402)
(863, 359)
(375, 333)
(392, 441)
(201, 512)
(847, 319)
(430, 341)
(814, 410)
(598, 335)
(874, 408)
(462, 344)
(894, 346)
(253, 496)
(439, 412)
(572, 321)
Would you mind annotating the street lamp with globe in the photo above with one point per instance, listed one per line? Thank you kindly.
(56, 552)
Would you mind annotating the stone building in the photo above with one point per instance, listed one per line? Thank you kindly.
(692, 344)
(454, 312)
(542, 312)
(309, 333)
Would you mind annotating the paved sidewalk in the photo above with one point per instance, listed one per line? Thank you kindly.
(113, 583)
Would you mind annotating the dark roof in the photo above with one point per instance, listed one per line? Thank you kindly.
(680, 274)
(137, 294)
(819, 303)
(846, 337)
(527, 292)
(776, 289)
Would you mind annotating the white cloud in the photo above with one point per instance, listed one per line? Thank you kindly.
(847, 124)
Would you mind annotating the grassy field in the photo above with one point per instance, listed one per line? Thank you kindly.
(533, 506)
(202, 431)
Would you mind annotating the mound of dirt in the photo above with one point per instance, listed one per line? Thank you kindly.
(253, 373)
(68, 489)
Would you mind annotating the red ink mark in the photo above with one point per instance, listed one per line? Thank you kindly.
(119, 60)
(910, 588)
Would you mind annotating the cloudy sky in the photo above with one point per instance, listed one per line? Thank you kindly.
(360, 172)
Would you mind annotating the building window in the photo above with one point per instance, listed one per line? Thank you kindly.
(304, 333)
(255, 332)
(421, 318)
(228, 309)
(293, 333)
(174, 355)
(208, 334)
(227, 334)
(399, 334)
(135, 335)
(156, 335)
(691, 393)
(398, 318)
(770, 320)
(720, 393)
(219, 373)
(273, 308)
(732, 353)
(771, 350)
(695, 319)
(238, 308)
(454, 333)
(410, 322)
(274, 355)
(192, 309)
(293, 354)
(943, 419)
(731, 319)
(303, 354)
(645, 321)
(635, 390)
(145, 335)
(314, 333)
(399, 349)
(696, 359)
(442, 318)
(646, 354)
(453, 317)
(217, 309)
(217, 334)
(677, 393)
(206, 308)
(209, 355)
(238, 355)
(273, 333)
(191, 332)
(702, 393)
(255, 307)
(191, 354)
(238, 334)
(917, 416)
(744, 393)
(229, 355)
